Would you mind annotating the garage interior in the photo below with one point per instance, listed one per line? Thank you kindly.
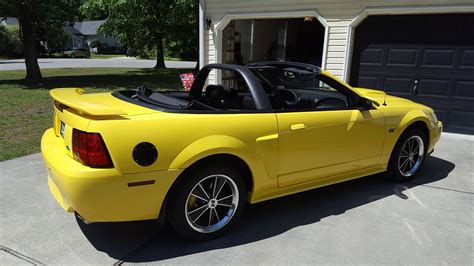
(296, 39)
(426, 58)
(253, 40)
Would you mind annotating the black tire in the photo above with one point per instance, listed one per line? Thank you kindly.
(181, 198)
(398, 168)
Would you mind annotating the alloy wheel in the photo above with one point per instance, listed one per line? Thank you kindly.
(411, 156)
(212, 203)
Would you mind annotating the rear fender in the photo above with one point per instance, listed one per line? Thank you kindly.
(221, 144)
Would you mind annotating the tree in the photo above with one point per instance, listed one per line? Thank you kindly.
(183, 40)
(36, 18)
(144, 24)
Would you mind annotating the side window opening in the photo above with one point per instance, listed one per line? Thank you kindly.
(294, 88)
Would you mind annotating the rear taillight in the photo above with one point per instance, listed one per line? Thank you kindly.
(89, 149)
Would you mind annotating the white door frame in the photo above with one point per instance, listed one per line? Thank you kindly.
(405, 10)
(220, 26)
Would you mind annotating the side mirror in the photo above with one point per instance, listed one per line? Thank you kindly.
(365, 104)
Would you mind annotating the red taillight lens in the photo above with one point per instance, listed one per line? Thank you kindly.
(89, 148)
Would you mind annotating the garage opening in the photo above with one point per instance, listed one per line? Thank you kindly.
(296, 40)
(426, 58)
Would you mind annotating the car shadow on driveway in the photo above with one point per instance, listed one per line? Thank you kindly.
(260, 221)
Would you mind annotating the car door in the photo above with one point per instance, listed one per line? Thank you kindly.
(322, 142)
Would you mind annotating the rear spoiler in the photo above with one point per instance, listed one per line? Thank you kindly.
(75, 98)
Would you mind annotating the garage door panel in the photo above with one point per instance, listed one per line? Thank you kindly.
(402, 57)
(467, 59)
(438, 58)
(372, 56)
(398, 85)
(464, 90)
(462, 120)
(438, 88)
(368, 81)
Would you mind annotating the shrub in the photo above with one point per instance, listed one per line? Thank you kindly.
(10, 43)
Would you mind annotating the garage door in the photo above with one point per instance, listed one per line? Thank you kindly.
(426, 58)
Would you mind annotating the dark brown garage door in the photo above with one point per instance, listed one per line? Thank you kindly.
(426, 58)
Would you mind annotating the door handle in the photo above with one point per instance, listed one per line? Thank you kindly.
(297, 126)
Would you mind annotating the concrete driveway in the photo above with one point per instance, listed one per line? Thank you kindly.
(125, 62)
(428, 221)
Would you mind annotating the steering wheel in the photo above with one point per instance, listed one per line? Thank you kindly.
(288, 96)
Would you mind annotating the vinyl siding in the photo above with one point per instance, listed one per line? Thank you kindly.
(338, 14)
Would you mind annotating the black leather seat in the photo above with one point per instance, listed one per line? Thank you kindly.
(248, 103)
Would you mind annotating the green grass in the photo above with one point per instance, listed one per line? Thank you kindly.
(25, 113)
(106, 56)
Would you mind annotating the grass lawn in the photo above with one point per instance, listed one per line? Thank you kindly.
(25, 113)
(106, 56)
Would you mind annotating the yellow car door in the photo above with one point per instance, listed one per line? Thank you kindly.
(318, 144)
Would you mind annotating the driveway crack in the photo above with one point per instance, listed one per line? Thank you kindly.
(21, 256)
(449, 189)
(135, 251)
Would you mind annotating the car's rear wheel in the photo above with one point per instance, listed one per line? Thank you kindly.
(207, 202)
(408, 155)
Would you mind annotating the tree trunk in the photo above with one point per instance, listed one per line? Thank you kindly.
(160, 54)
(33, 72)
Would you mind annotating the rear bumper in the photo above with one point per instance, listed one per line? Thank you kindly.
(435, 135)
(102, 195)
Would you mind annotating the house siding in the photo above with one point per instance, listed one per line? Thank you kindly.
(338, 15)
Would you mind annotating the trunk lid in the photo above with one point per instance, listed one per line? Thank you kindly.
(73, 108)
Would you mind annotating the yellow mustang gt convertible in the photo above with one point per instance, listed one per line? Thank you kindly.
(195, 158)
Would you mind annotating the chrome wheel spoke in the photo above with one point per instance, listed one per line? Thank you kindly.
(205, 193)
(219, 191)
(225, 205)
(199, 216)
(224, 198)
(197, 209)
(217, 215)
(201, 198)
(210, 216)
(402, 166)
(214, 188)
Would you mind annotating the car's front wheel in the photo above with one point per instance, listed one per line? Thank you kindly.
(408, 155)
(206, 202)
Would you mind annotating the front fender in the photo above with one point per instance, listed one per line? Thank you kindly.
(412, 117)
(397, 125)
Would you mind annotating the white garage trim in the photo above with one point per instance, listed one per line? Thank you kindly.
(413, 10)
(202, 31)
(220, 26)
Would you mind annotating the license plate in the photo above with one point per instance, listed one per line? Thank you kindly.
(62, 129)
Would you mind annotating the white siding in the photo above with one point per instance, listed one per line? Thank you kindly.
(338, 14)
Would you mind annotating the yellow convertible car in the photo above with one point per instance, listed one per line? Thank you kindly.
(195, 158)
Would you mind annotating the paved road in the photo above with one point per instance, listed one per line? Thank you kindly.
(19, 64)
(428, 221)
